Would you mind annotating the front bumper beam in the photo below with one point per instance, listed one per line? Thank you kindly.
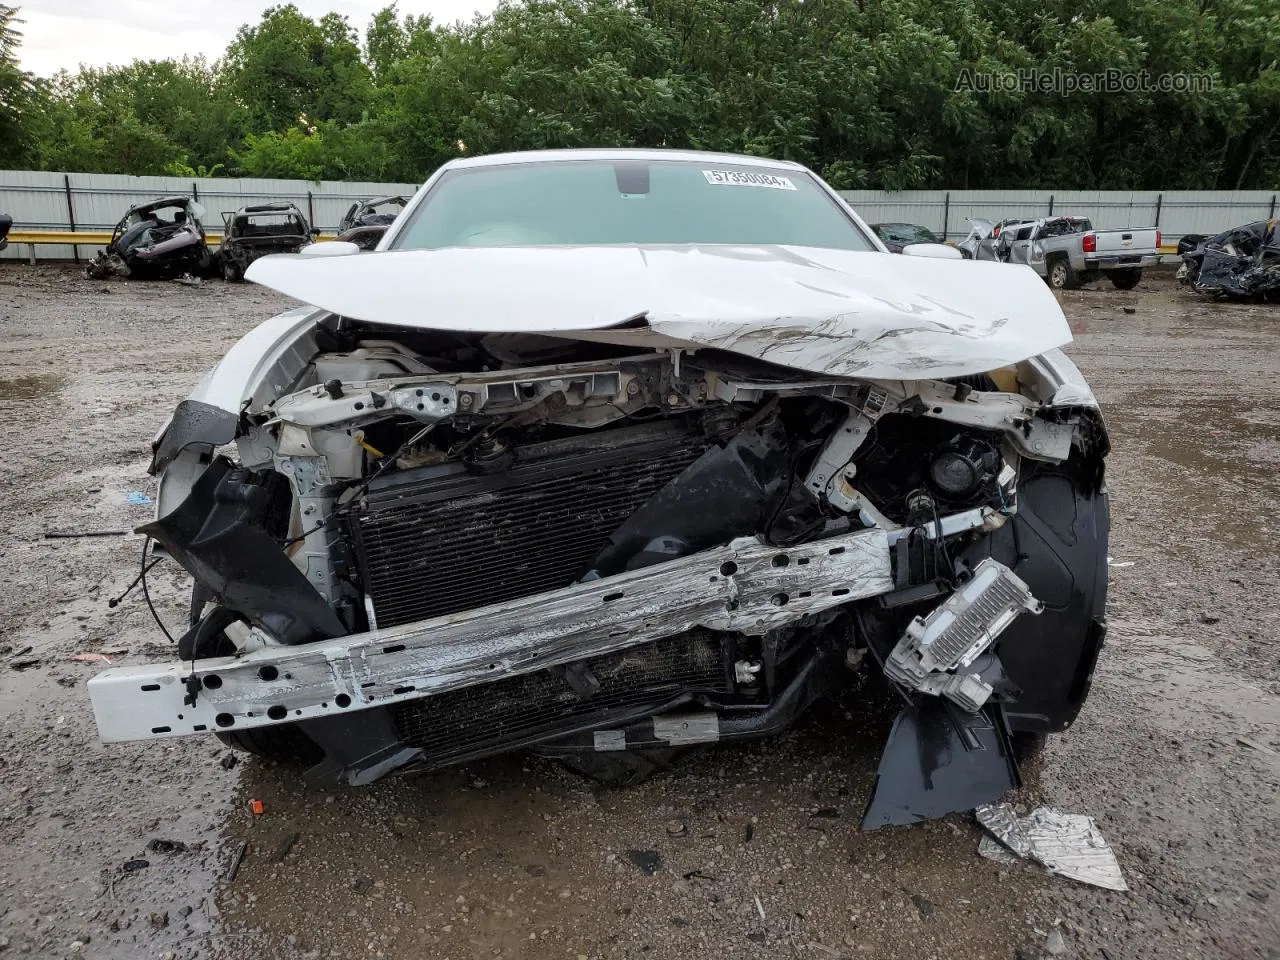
(746, 586)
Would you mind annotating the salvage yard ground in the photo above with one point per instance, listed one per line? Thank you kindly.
(742, 852)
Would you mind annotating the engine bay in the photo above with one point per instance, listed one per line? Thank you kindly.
(477, 542)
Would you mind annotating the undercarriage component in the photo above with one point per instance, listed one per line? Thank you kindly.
(530, 708)
(594, 752)
(932, 654)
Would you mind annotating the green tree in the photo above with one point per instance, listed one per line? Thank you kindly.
(137, 119)
(289, 66)
(871, 93)
(19, 95)
(385, 43)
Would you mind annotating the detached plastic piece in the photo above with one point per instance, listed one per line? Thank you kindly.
(940, 760)
(935, 650)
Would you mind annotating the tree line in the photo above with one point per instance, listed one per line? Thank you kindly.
(892, 94)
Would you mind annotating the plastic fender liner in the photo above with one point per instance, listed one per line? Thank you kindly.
(1057, 543)
(940, 760)
(216, 534)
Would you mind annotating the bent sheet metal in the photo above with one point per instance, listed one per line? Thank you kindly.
(1068, 844)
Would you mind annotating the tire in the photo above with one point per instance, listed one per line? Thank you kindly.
(1028, 744)
(231, 272)
(1126, 279)
(1060, 275)
(285, 742)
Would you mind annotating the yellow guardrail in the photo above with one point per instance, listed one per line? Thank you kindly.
(87, 237)
(90, 238)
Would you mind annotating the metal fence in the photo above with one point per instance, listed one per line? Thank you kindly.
(1174, 212)
(40, 200)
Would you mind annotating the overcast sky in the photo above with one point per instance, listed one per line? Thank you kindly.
(67, 33)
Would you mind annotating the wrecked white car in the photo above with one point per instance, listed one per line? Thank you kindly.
(613, 454)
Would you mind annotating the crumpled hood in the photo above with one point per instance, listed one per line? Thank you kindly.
(833, 312)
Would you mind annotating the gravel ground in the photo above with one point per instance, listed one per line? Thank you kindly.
(752, 851)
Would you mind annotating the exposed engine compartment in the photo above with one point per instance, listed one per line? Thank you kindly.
(489, 541)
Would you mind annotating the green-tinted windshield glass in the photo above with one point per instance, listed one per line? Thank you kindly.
(587, 202)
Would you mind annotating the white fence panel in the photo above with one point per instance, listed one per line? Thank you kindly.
(1175, 213)
(94, 201)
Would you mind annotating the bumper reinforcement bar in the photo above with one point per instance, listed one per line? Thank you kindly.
(746, 586)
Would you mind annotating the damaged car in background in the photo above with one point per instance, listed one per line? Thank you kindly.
(365, 222)
(158, 240)
(1242, 263)
(612, 455)
(1066, 251)
(255, 231)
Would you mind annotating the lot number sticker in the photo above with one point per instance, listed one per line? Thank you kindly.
(734, 178)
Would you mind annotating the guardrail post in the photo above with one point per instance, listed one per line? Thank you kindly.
(1159, 204)
(311, 210)
(195, 191)
(1051, 204)
(1273, 207)
(946, 215)
(71, 219)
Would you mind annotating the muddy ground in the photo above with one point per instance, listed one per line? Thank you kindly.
(758, 853)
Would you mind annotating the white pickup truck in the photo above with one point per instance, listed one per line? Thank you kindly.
(1066, 251)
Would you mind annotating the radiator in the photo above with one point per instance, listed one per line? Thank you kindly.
(439, 539)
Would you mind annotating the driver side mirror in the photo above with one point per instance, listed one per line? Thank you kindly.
(937, 251)
(329, 248)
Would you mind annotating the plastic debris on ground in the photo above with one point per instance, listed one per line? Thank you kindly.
(139, 499)
(1067, 844)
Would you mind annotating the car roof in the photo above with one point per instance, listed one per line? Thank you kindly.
(616, 153)
(269, 208)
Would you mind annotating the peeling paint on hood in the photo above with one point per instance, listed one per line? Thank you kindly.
(835, 312)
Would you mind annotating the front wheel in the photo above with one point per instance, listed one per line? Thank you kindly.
(283, 742)
(1125, 279)
(231, 271)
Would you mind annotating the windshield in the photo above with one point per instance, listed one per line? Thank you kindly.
(590, 202)
(905, 233)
